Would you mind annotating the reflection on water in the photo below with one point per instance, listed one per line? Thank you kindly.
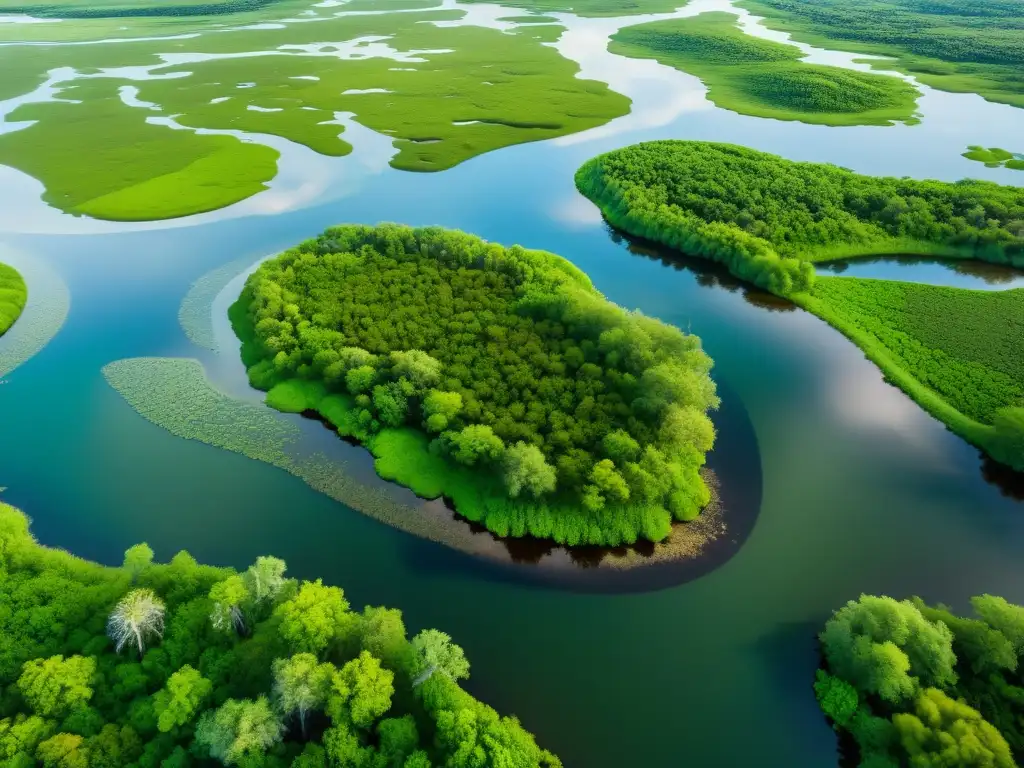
(955, 273)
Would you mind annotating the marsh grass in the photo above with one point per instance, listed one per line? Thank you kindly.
(13, 295)
(763, 78)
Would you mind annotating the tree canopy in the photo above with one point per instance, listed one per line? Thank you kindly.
(920, 686)
(309, 684)
(505, 360)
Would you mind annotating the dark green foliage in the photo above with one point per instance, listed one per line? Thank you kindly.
(203, 696)
(507, 358)
(970, 715)
(766, 217)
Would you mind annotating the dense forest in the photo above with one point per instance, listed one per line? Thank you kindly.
(955, 45)
(570, 417)
(913, 685)
(13, 295)
(767, 219)
(182, 664)
(764, 78)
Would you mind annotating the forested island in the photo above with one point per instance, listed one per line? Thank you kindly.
(955, 351)
(13, 295)
(171, 665)
(496, 377)
(758, 77)
(954, 45)
(908, 684)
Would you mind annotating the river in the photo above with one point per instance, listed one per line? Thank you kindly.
(859, 489)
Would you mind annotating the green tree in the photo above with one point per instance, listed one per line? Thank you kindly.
(419, 368)
(837, 698)
(398, 739)
(1002, 616)
(435, 652)
(526, 469)
(382, 633)
(227, 597)
(361, 379)
(265, 579)
(301, 685)
(180, 698)
(65, 750)
(475, 444)
(239, 730)
(314, 618)
(887, 647)
(55, 686)
(945, 733)
(360, 692)
(136, 618)
(137, 559)
(21, 735)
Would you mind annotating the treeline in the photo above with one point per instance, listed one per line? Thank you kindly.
(508, 359)
(13, 296)
(180, 664)
(915, 685)
(765, 217)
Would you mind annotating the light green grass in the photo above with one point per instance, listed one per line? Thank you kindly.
(994, 157)
(13, 295)
(763, 78)
(956, 46)
(42, 316)
(100, 158)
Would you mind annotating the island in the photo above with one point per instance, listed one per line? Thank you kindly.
(152, 664)
(905, 683)
(754, 76)
(994, 157)
(956, 352)
(13, 295)
(955, 45)
(498, 378)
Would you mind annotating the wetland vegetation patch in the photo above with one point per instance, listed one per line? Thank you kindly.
(955, 45)
(763, 78)
(496, 377)
(994, 157)
(768, 219)
(13, 295)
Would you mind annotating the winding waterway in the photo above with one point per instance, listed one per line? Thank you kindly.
(858, 489)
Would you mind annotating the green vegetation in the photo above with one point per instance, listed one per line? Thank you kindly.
(497, 377)
(595, 8)
(41, 318)
(913, 685)
(126, 9)
(995, 157)
(768, 219)
(452, 93)
(952, 45)
(181, 664)
(13, 295)
(759, 77)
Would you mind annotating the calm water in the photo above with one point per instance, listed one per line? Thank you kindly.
(860, 490)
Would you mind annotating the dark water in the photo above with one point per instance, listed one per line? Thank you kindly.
(860, 491)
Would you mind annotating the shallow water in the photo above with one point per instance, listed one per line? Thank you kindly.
(860, 490)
